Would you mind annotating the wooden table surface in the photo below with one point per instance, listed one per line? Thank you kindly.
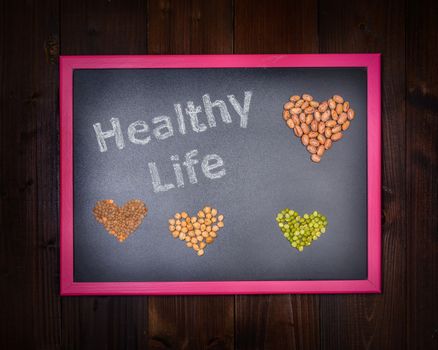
(34, 33)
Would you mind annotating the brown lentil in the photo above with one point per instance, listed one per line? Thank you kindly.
(121, 221)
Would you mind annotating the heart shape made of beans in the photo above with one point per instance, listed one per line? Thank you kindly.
(197, 231)
(318, 124)
(301, 231)
(120, 221)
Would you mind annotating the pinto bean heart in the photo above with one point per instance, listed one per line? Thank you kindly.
(318, 124)
(120, 221)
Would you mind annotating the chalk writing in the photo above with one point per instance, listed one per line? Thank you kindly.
(212, 167)
(139, 133)
(163, 126)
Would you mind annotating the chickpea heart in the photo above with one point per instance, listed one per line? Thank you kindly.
(197, 231)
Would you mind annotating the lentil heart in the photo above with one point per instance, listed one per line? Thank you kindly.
(120, 221)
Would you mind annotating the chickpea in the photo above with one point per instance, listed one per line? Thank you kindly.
(195, 231)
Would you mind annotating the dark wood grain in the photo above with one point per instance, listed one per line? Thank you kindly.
(104, 27)
(422, 173)
(33, 316)
(104, 323)
(374, 321)
(276, 321)
(195, 322)
(281, 26)
(189, 322)
(190, 26)
(28, 179)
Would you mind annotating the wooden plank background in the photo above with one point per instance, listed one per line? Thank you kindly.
(34, 33)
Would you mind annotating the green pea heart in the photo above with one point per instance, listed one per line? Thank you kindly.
(301, 231)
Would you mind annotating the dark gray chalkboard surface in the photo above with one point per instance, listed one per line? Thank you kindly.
(267, 169)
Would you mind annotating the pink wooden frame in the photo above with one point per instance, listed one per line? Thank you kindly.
(370, 285)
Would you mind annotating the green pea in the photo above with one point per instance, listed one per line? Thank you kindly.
(301, 231)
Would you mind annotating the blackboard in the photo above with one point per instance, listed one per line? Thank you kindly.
(267, 169)
(266, 166)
